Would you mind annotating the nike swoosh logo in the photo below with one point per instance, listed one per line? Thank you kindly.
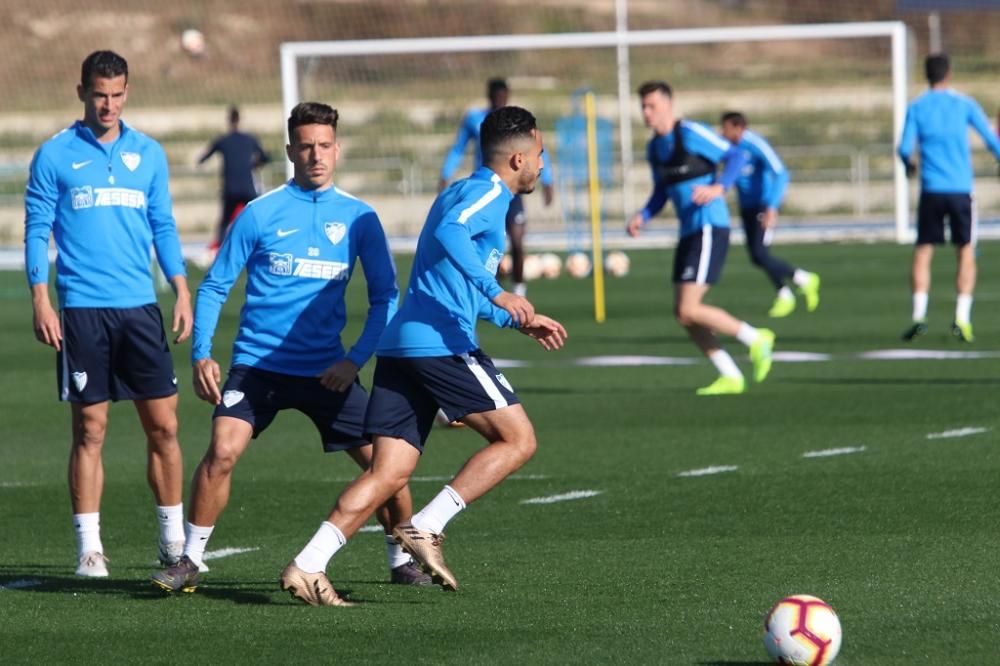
(80, 165)
(286, 232)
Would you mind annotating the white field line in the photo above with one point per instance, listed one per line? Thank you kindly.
(800, 357)
(958, 432)
(19, 484)
(226, 552)
(706, 471)
(922, 354)
(563, 497)
(631, 361)
(826, 453)
(19, 584)
(371, 528)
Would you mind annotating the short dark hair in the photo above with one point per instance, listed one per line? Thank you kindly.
(937, 66)
(312, 113)
(234, 115)
(493, 86)
(650, 87)
(105, 64)
(734, 118)
(503, 125)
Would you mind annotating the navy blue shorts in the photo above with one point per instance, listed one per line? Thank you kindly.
(932, 210)
(256, 396)
(407, 392)
(700, 256)
(515, 214)
(114, 354)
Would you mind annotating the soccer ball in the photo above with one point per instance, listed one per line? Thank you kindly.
(616, 264)
(551, 265)
(578, 265)
(802, 630)
(193, 41)
(532, 269)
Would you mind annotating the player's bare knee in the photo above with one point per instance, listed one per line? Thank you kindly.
(89, 432)
(686, 314)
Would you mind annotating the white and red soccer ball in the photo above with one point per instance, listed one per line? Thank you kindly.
(802, 630)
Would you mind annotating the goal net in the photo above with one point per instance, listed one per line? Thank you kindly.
(830, 98)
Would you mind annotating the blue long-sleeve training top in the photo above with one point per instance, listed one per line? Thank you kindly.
(938, 121)
(106, 204)
(698, 140)
(764, 177)
(241, 154)
(453, 280)
(299, 248)
(468, 131)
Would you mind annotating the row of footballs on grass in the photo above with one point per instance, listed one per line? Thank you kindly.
(578, 265)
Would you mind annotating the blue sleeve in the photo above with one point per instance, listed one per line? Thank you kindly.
(977, 118)
(734, 159)
(908, 138)
(776, 177)
(40, 200)
(457, 152)
(383, 294)
(159, 209)
(456, 238)
(232, 258)
(500, 317)
(547, 172)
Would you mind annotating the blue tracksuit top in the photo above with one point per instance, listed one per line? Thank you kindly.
(106, 204)
(699, 140)
(299, 249)
(764, 178)
(938, 121)
(468, 131)
(454, 272)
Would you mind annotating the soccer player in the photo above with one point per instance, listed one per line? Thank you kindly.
(102, 188)
(938, 121)
(429, 357)
(684, 156)
(497, 93)
(241, 155)
(299, 244)
(761, 187)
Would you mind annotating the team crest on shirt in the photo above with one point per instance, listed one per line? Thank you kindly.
(230, 398)
(80, 381)
(493, 261)
(131, 160)
(82, 197)
(335, 231)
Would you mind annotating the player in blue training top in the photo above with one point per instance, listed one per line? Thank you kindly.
(429, 358)
(684, 156)
(101, 187)
(761, 187)
(938, 121)
(299, 244)
(241, 155)
(497, 92)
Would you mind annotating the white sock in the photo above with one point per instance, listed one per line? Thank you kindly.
(433, 517)
(724, 363)
(785, 294)
(197, 540)
(747, 334)
(171, 523)
(394, 552)
(88, 532)
(520, 289)
(963, 308)
(919, 305)
(801, 277)
(317, 553)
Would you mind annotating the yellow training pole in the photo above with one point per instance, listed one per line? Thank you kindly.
(595, 207)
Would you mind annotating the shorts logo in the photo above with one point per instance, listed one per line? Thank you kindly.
(493, 261)
(131, 160)
(82, 197)
(503, 382)
(335, 231)
(688, 273)
(230, 398)
(79, 381)
(280, 264)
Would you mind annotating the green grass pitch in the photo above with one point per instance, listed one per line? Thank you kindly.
(901, 537)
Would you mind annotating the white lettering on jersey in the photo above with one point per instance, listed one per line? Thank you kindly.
(280, 264)
(119, 196)
(323, 270)
(131, 160)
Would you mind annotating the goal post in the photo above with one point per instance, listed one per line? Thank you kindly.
(621, 41)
